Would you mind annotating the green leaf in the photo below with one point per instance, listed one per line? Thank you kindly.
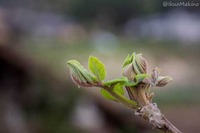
(141, 77)
(107, 95)
(97, 68)
(128, 60)
(117, 88)
(131, 83)
(121, 80)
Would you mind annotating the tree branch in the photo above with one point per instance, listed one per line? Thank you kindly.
(153, 115)
(149, 112)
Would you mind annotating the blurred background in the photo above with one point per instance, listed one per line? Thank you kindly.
(38, 37)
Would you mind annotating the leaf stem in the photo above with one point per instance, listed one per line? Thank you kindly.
(120, 98)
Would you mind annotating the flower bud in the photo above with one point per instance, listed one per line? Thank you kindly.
(80, 75)
(163, 81)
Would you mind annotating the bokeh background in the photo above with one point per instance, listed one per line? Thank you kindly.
(38, 37)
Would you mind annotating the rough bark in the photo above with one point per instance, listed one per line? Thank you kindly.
(153, 115)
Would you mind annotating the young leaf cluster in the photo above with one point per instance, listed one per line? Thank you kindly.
(135, 79)
(95, 78)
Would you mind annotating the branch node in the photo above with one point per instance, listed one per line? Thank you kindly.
(152, 114)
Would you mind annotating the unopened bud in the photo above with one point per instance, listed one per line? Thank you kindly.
(134, 65)
(154, 75)
(80, 75)
(163, 81)
(129, 72)
(139, 64)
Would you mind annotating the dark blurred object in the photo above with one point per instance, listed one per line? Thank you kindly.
(13, 80)
(25, 90)
(9, 32)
